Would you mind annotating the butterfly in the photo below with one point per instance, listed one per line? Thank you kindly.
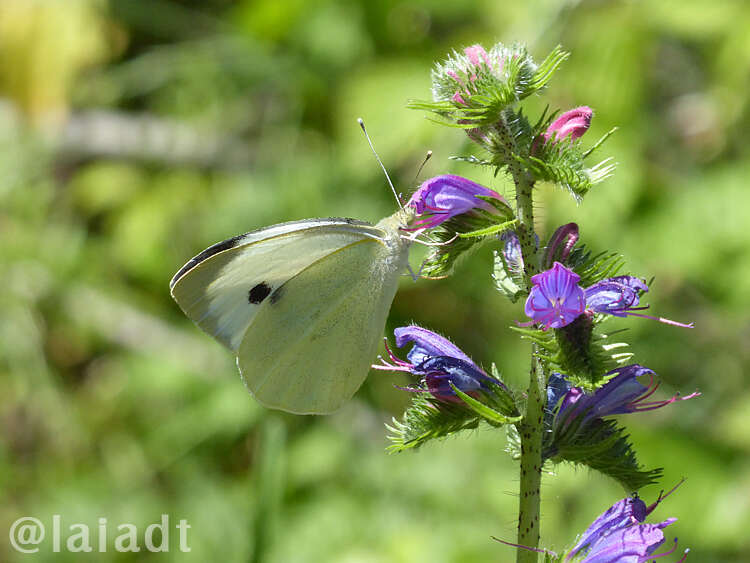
(303, 305)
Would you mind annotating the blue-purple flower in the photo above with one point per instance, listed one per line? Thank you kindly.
(573, 123)
(556, 299)
(622, 394)
(619, 535)
(439, 364)
(443, 197)
(560, 244)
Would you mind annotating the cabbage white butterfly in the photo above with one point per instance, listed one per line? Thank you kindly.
(303, 304)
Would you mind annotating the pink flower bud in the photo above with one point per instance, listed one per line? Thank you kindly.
(475, 52)
(574, 122)
(458, 99)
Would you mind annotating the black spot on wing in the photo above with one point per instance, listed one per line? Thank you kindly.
(276, 295)
(259, 293)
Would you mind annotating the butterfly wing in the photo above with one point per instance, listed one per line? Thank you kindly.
(308, 351)
(223, 287)
(302, 304)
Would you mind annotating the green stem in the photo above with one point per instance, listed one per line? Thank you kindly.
(530, 428)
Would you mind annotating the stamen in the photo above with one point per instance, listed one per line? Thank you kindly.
(650, 389)
(662, 320)
(670, 552)
(658, 404)
(519, 546)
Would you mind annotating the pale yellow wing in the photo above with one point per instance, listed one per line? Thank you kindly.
(309, 349)
(223, 287)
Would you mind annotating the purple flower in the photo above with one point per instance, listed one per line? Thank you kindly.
(619, 296)
(573, 123)
(443, 197)
(634, 544)
(512, 251)
(622, 394)
(560, 244)
(426, 344)
(556, 299)
(622, 514)
(619, 535)
(439, 364)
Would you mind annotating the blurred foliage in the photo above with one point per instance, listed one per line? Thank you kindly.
(134, 134)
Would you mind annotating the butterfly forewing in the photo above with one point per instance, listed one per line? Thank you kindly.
(224, 287)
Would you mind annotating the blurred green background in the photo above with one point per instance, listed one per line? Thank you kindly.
(135, 133)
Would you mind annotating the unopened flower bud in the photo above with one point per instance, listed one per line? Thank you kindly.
(573, 123)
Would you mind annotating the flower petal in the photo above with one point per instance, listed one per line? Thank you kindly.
(556, 299)
(573, 123)
(449, 195)
(442, 371)
(427, 343)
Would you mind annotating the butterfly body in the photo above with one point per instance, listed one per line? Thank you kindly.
(303, 305)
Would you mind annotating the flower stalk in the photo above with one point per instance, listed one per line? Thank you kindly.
(530, 427)
(569, 291)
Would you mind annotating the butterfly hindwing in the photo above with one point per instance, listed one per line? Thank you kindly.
(309, 350)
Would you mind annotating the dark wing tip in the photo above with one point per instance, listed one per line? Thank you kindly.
(210, 251)
(234, 241)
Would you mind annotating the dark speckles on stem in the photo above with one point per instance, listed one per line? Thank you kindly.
(258, 293)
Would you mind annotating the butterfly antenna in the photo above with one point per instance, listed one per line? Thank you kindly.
(426, 158)
(362, 125)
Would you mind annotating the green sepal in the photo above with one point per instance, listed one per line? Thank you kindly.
(424, 421)
(492, 416)
(593, 268)
(599, 143)
(601, 445)
(459, 236)
(546, 70)
(491, 230)
(427, 418)
(508, 280)
(583, 356)
(563, 165)
(492, 90)
(513, 442)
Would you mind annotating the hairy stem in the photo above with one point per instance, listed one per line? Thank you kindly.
(530, 428)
